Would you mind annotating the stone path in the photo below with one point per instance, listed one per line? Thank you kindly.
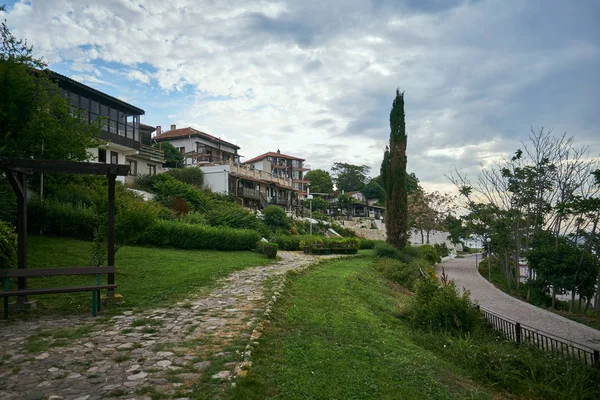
(163, 351)
(465, 274)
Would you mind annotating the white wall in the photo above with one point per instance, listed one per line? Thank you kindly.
(216, 178)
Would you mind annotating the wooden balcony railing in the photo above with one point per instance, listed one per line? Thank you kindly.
(151, 153)
(248, 193)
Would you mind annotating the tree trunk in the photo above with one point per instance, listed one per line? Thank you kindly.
(597, 301)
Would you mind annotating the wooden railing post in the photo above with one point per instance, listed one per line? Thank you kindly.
(518, 332)
(597, 359)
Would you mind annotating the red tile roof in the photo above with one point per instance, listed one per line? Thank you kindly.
(273, 154)
(183, 132)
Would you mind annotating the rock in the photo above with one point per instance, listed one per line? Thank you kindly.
(163, 363)
(162, 354)
(42, 356)
(86, 397)
(202, 365)
(73, 375)
(222, 375)
(137, 377)
(125, 346)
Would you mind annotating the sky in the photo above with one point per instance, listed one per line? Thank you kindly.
(316, 79)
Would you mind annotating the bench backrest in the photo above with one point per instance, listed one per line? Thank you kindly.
(9, 273)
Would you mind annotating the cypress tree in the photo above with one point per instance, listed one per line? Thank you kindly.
(393, 175)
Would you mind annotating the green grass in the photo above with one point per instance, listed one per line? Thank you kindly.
(336, 334)
(147, 277)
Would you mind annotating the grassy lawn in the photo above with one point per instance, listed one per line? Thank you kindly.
(147, 277)
(536, 297)
(337, 334)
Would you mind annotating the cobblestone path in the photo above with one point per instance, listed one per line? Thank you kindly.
(175, 352)
(465, 274)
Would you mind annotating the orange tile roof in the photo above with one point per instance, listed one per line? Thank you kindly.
(273, 154)
(183, 132)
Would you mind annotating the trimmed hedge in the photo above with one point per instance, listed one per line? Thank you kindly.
(287, 242)
(270, 250)
(368, 243)
(8, 246)
(62, 219)
(188, 236)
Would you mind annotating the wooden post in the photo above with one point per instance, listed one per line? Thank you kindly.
(111, 230)
(18, 181)
(597, 359)
(518, 332)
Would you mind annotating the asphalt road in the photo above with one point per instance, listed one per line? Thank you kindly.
(464, 272)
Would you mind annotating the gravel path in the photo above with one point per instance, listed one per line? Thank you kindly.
(190, 349)
(465, 274)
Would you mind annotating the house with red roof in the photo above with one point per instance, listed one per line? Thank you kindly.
(283, 166)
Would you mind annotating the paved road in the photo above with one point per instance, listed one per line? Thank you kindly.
(465, 274)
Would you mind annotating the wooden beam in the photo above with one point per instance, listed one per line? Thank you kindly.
(66, 167)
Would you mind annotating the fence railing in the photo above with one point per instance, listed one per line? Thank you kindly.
(520, 333)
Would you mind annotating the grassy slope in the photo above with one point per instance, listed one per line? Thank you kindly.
(146, 276)
(336, 335)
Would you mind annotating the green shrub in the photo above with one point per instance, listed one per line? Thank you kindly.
(386, 250)
(194, 218)
(192, 176)
(369, 244)
(345, 232)
(442, 249)
(187, 236)
(270, 250)
(276, 219)
(8, 202)
(62, 219)
(466, 249)
(429, 253)
(233, 216)
(287, 242)
(8, 246)
(438, 308)
(405, 274)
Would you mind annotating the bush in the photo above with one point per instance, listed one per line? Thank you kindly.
(442, 249)
(405, 274)
(270, 250)
(62, 219)
(187, 236)
(287, 242)
(429, 253)
(345, 232)
(195, 218)
(438, 308)
(192, 176)
(8, 246)
(8, 202)
(368, 244)
(236, 217)
(276, 219)
(386, 250)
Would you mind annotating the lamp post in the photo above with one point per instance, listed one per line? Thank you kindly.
(310, 197)
(489, 245)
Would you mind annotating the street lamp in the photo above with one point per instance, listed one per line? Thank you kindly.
(310, 197)
(489, 245)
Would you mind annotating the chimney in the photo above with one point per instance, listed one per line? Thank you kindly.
(158, 130)
(173, 127)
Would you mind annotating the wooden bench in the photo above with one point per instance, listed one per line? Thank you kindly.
(319, 248)
(343, 248)
(7, 274)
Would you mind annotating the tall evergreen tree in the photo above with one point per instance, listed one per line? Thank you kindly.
(393, 176)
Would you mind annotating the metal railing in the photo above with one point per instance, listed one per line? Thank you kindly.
(520, 333)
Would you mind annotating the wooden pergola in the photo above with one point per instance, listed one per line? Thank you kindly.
(17, 171)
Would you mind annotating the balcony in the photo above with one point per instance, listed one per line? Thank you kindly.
(152, 154)
(257, 175)
(280, 201)
(248, 193)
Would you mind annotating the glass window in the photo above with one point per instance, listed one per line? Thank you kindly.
(95, 107)
(112, 126)
(121, 129)
(114, 114)
(102, 155)
(74, 99)
(104, 111)
(130, 126)
(114, 157)
(151, 169)
(132, 167)
(84, 103)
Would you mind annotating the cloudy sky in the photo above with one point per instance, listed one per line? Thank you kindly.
(316, 79)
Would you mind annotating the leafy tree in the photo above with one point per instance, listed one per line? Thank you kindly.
(393, 174)
(373, 190)
(319, 204)
(35, 119)
(412, 183)
(320, 181)
(349, 177)
(173, 157)
(276, 219)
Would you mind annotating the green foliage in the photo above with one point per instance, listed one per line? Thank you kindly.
(440, 308)
(168, 190)
(188, 236)
(429, 253)
(287, 242)
(8, 246)
(56, 218)
(270, 250)
(320, 181)
(35, 119)
(349, 177)
(442, 249)
(276, 219)
(319, 204)
(194, 218)
(393, 175)
(8, 202)
(348, 245)
(345, 232)
(373, 190)
(369, 244)
(193, 176)
(405, 274)
(173, 157)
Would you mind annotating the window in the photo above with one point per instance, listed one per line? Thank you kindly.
(114, 157)
(102, 155)
(151, 169)
(132, 167)
(182, 150)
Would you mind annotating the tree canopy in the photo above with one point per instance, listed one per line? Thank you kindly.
(350, 177)
(36, 121)
(173, 157)
(320, 181)
(373, 190)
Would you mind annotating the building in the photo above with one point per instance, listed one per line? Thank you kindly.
(251, 187)
(198, 148)
(121, 128)
(282, 166)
